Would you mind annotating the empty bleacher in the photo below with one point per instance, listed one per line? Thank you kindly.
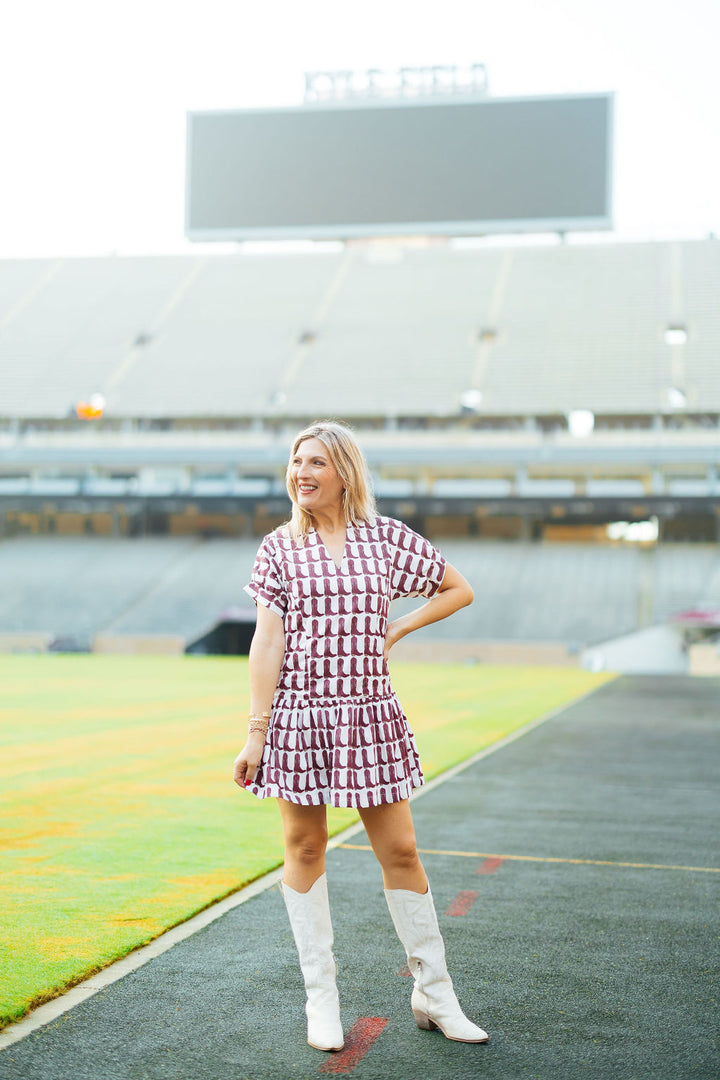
(583, 324)
(71, 587)
(538, 330)
(575, 594)
(578, 595)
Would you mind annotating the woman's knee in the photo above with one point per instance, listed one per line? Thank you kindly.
(307, 852)
(305, 833)
(392, 835)
(306, 846)
(400, 855)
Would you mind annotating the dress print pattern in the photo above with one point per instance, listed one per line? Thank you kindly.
(338, 734)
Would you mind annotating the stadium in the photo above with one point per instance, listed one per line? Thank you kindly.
(462, 370)
(536, 396)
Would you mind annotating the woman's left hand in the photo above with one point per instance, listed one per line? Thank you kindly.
(392, 635)
(248, 759)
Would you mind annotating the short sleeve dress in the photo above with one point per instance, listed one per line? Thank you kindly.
(338, 734)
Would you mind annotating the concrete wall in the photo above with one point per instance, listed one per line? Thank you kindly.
(655, 651)
(139, 644)
(705, 659)
(25, 642)
(486, 652)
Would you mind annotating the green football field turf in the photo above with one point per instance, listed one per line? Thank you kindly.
(119, 814)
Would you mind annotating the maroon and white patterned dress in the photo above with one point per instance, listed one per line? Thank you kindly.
(338, 734)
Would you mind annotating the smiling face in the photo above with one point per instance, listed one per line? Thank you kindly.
(316, 482)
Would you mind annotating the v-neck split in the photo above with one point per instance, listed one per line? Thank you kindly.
(337, 565)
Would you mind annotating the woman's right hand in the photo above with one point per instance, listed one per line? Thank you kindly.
(248, 759)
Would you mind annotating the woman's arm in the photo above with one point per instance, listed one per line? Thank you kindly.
(454, 593)
(267, 651)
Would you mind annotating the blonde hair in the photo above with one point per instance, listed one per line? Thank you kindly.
(347, 457)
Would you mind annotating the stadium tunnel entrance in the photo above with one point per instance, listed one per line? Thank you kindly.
(230, 636)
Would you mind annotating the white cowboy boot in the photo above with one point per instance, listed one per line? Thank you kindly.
(433, 1002)
(310, 921)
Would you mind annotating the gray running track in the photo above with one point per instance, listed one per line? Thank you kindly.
(575, 969)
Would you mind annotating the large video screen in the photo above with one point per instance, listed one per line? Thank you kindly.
(396, 167)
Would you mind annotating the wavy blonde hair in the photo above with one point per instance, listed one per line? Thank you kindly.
(347, 457)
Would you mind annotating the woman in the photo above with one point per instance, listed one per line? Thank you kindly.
(325, 724)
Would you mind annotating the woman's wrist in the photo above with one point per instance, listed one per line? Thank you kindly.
(258, 721)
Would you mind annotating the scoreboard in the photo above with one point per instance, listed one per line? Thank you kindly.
(389, 167)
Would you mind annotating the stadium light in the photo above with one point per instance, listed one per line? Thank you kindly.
(676, 334)
(635, 532)
(676, 398)
(581, 423)
(487, 335)
(470, 400)
(92, 409)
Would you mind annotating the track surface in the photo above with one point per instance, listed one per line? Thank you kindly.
(578, 966)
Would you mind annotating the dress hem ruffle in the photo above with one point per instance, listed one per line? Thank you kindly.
(352, 754)
(338, 800)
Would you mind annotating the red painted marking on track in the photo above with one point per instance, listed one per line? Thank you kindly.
(360, 1038)
(489, 866)
(462, 902)
(405, 970)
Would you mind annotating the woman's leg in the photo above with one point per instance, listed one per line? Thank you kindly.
(305, 893)
(305, 834)
(391, 833)
(434, 1004)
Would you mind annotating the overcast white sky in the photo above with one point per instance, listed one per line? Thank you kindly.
(93, 97)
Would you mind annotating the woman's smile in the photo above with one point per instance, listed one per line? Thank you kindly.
(317, 481)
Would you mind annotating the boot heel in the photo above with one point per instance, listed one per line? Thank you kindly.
(423, 1021)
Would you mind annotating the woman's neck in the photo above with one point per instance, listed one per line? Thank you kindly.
(330, 521)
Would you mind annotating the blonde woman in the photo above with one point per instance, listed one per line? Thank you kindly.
(325, 725)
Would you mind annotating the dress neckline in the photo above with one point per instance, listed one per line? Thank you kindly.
(321, 543)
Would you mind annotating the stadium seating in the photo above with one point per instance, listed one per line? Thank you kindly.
(576, 594)
(74, 587)
(387, 333)
(698, 301)
(538, 330)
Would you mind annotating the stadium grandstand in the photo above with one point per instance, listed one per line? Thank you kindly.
(463, 367)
